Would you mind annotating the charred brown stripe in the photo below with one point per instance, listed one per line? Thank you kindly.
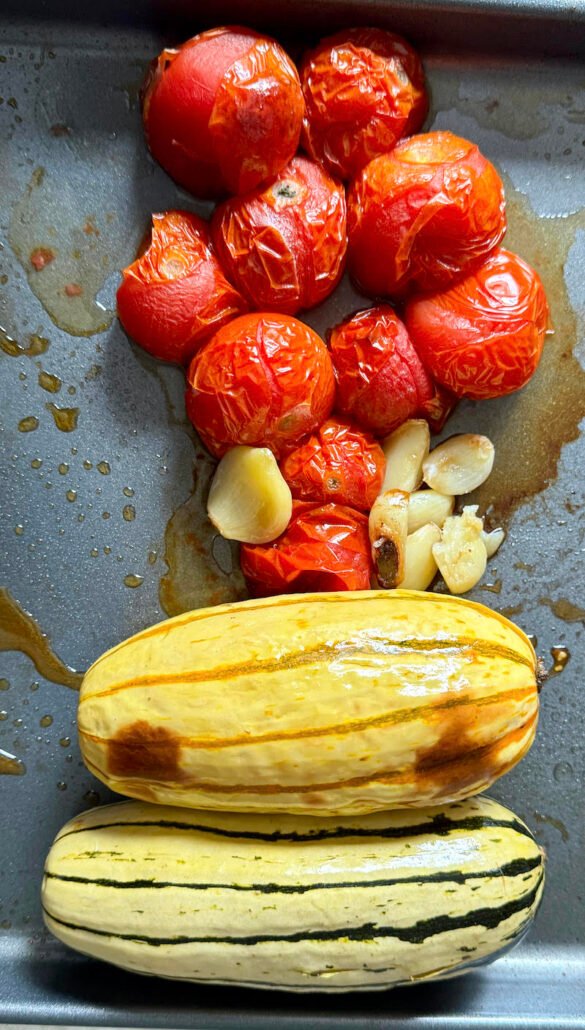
(399, 716)
(517, 867)
(488, 917)
(285, 602)
(477, 755)
(311, 656)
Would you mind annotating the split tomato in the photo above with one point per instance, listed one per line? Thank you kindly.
(175, 295)
(364, 90)
(325, 547)
(483, 336)
(339, 463)
(423, 215)
(381, 380)
(223, 112)
(264, 380)
(284, 245)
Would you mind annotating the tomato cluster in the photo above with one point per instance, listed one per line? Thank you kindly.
(420, 227)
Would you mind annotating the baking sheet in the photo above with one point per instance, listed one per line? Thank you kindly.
(101, 504)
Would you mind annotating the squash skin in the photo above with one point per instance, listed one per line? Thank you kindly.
(340, 703)
(293, 902)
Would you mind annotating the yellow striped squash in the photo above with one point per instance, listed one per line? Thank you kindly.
(320, 703)
(294, 902)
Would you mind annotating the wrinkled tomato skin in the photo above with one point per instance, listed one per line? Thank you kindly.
(325, 547)
(483, 336)
(381, 380)
(223, 112)
(338, 464)
(265, 380)
(364, 90)
(423, 215)
(284, 245)
(175, 296)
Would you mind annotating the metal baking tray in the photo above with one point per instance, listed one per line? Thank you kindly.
(101, 504)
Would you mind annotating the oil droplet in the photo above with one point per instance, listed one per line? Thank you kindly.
(71, 495)
(36, 463)
(557, 824)
(19, 529)
(28, 424)
(63, 468)
(129, 512)
(132, 580)
(61, 785)
(87, 465)
(91, 797)
(3, 716)
(105, 514)
(64, 418)
(65, 741)
(152, 557)
(94, 552)
(563, 771)
(49, 382)
(74, 450)
(4, 684)
(494, 588)
(104, 468)
(46, 720)
(533, 640)
(36, 345)
(10, 765)
(19, 632)
(107, 550)
(81, 517)
(72, 390)
(128, 491)
(560, 657)
(34, 686)
(564, 609)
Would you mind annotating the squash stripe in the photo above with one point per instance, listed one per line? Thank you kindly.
(489, 917)
(517, 867)
(422, 711)
(439, 824)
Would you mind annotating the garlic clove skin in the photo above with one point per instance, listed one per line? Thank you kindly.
(249, 499)
(493, 540)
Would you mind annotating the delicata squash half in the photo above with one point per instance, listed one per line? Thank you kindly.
(293, 902)
(322, 704)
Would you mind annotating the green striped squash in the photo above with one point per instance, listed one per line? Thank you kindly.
(294, 902)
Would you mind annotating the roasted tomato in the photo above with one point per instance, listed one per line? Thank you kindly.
(483, 336)
(325, 547)
(423, 215)
(264, 380)
(339, 463)
(380, 378)
(364, 90)
(284, 245)
(223, 112)
(175, 295)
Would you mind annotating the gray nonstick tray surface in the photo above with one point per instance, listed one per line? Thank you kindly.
(102, 495)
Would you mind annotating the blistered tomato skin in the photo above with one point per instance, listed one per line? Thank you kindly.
(223, 112)
(338, 464)
(284, 245)
(265, 380)
(364, 90)
(423, 215)
(325, 547)
(380, 378)
(175, 296)
(483, 336)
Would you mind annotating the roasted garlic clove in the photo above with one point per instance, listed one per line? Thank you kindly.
(388, 524)
(405, 450)
(428, 506)
(460, 464)
(461, 553)
(248, 499)
(420, 566)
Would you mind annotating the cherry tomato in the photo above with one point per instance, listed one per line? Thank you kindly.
(175, 295)
(483, 336)
(223, 112)
(284, 245)
(423, 215)
(339, 463)
(264, 380)
(364, 90)
(325, 547)
(381, 380)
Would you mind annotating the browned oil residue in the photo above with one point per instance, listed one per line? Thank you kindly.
(564, 609)
(64, 418)
(28, 424)
(557, 824)
(194, 578)
(103, 467)
(132, 580)
(20, 632)
(10, 765)
(50, 383)
(36, 345)
(537, 421)
(493, 588)
(560, 657)
(510, 610)
(129, 513)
